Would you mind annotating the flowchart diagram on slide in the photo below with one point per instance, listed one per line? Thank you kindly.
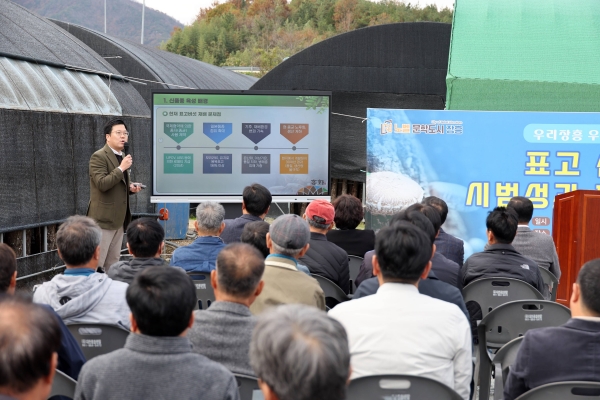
(229, 144)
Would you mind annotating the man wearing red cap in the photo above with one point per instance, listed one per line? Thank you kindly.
(323, 257)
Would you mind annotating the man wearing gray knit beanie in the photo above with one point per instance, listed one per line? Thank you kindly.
(287, 241)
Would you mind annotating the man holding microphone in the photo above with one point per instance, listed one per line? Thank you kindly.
(110, 188)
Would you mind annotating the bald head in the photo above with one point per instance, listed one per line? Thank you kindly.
(29, 340)
(240, 267)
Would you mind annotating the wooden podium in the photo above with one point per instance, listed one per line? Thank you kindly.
(576, 233)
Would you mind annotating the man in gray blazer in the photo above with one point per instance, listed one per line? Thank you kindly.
(536, 246)
(223, 331)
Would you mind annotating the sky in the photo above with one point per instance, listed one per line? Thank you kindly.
(185, 11)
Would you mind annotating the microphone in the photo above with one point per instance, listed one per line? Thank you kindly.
(125, 152)
(126, 148)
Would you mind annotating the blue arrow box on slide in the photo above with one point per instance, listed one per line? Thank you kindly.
(217, 131)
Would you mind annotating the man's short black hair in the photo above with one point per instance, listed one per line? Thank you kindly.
(144, 236)
(523, 207)
(349, 212)
(255, 234)
(257, 199)
(417, 219)
(503, 224)
(109, 125)
(8, 266)
(430, 212)
(29, 336)
(439, 205)
(240, 268)
(589, 282)
(162, 299)
(403, 251)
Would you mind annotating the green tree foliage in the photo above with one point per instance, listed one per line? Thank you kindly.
(264, 32)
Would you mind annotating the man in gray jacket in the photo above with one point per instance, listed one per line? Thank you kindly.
(145, 241)
(223, 331)
(537, 246)
(82, 295)
(157, 361)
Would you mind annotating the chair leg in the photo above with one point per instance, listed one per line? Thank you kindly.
(498, 382)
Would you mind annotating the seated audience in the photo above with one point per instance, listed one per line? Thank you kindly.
(223, 331)
(29, 342)
(288, 241)
(443, 268)
(256, 200)
(500, 259)
(349, 213)
(201, 255)
(299, 353)
(255, 234)
(536, 246)
(449, 246)
(399, 331)
(158, 361)
(81, 295)
(145, 241)
(431, 286)
(563, 353)
(70, 356)
(323, 257)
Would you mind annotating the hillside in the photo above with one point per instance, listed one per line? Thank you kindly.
(124, 17)
(263, 33)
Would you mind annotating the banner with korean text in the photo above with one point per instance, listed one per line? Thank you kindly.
(477, 160)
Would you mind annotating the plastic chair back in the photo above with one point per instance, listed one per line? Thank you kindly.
(63, 385)
(564, 391)
(504, 358)
(354, 263)
(551, 281)
(204, 291)
(97, 339)
(248, 387)
(331, 290)
(510, 321)
(399, 387)
(489, 293)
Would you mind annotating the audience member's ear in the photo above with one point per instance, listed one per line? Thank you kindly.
(433, 249)
(425, 273)
(375, 262)
(304, 217)
(331, 226)
(349, 374)
(222, 228)
(575, 296)
(133, 323)
(490, 236)
(161, 248)
(304, 250)
(191, 322)
(267, 392)
(213, 279)
(196, 225)
(96, 255)
(12, 286)
(437, 233)
(259, 288)
(129, 249)
(269, 242)
(50, 377)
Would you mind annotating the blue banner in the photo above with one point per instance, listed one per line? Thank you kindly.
(477, 160)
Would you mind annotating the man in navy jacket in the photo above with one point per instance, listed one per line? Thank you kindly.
(569, 352)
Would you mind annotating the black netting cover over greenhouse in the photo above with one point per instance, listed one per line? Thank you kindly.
(51, 118)
(145, 62)
(389, 66)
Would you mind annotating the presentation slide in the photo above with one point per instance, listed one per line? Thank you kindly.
(215, 144)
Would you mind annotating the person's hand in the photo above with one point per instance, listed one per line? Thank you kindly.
(126, 163)
(135, 187)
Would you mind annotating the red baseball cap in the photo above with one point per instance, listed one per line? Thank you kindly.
(323, 210)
